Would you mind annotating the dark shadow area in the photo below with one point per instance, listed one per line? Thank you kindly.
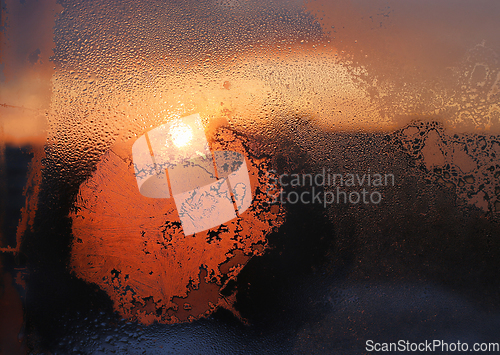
(14, 177)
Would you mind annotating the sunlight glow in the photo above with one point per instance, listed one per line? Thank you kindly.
(181, 134)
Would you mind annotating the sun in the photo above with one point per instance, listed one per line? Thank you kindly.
(181, 134)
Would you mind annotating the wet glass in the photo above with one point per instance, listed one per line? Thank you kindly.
(249, 176)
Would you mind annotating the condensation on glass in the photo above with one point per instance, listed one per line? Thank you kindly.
(267, 80)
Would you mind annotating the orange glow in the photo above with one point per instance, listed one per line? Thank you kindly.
(133, 247)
